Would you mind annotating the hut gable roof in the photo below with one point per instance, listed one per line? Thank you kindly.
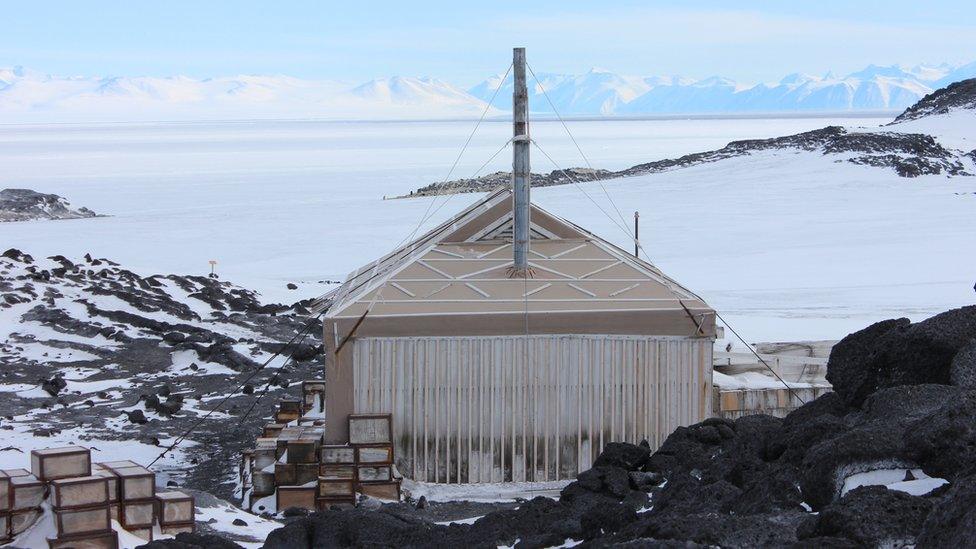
(461, 267)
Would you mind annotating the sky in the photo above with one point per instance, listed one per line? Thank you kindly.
(463, 42)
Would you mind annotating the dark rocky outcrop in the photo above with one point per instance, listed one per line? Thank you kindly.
(874, 517)
(958, 95)
(28, 205)
(952, 521)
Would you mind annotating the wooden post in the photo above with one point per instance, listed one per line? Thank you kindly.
(520, 165)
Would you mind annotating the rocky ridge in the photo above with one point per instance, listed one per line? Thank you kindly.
(28, 205)
(908, 154)
(89, 347)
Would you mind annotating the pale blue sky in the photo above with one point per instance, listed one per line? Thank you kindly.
(463, 42)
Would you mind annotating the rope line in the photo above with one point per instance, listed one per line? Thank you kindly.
(250, 376)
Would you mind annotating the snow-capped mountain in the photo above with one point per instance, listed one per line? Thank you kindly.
(30, 96)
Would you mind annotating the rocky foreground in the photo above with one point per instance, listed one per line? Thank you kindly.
(905, 403)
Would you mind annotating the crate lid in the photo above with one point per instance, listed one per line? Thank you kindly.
(64, 450)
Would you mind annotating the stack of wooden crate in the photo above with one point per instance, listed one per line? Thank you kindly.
(290, 461)
(86, 497)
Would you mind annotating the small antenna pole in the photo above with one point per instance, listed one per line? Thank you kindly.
(636, 234)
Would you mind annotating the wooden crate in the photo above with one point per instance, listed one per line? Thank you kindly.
(371, 473)
(338, 455)
(306, 473)
(378, 454)
(175, 508)
(107, 540)
(370, 429)
(174, 529)
(289, 405)
(336, 488)
(119, 464)
(262, 484)
(286, 417)
(4, 497)
(80, 492)
(337, 472)
(99, 470)
(4, 527)
(23, 519)
(138, 514)
(272, 430)
(265, 453)
(135, 483)
(303, 450)
(26, 492)
(313, 395)
(285, 474)
(54, 463)
(380, 490)
(83, 520)
(302, 497)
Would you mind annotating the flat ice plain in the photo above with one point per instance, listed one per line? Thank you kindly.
(787, 245)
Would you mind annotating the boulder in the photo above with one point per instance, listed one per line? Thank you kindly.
(874, 516)
(624, 455)
(711, 529)
(137, 417)
(852, 368)
(962, 371)
(192, 541)
(952, 521)
(611, 482)
(868, 447)
(943, 442)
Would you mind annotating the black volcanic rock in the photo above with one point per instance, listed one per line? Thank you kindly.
(958, 95)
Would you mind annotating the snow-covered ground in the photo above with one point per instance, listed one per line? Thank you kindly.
(787, 245)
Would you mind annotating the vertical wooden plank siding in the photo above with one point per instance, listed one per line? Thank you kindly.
(511, 408)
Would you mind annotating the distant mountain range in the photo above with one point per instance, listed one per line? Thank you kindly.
(29, 96)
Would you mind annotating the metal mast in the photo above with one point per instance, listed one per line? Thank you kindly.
(520, 166)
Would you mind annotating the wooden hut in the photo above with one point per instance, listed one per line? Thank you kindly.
(500, 368)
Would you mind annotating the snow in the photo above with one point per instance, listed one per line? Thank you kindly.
(953, 129)
(787, 245)
(753, 380)
(893, 479)
(221, 518)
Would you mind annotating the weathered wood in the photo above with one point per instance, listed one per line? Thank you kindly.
(521, 170)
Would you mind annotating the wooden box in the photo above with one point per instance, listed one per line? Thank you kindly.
(175, 508)
(265, 453)
(370, 429)
(83, 520)
(339, 455)
(303, 450)
(174, 529)
(135, 483)
(286, 417)
(99, 470)
(288, 405)
(119, 464)
(306, 473)
(285, 474)
(262, 484)
(381, 490)
(4, 527)
(337, 472)
(107, 540)
(138, 514)
(314, 431)
(336, 488)
(375, 455)
(370, 473)
(272, 430)
(54, 463)
(26, 492)
(313, 395)
(23, 519)
(4, 497)
(80, 492)
(302, 497)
